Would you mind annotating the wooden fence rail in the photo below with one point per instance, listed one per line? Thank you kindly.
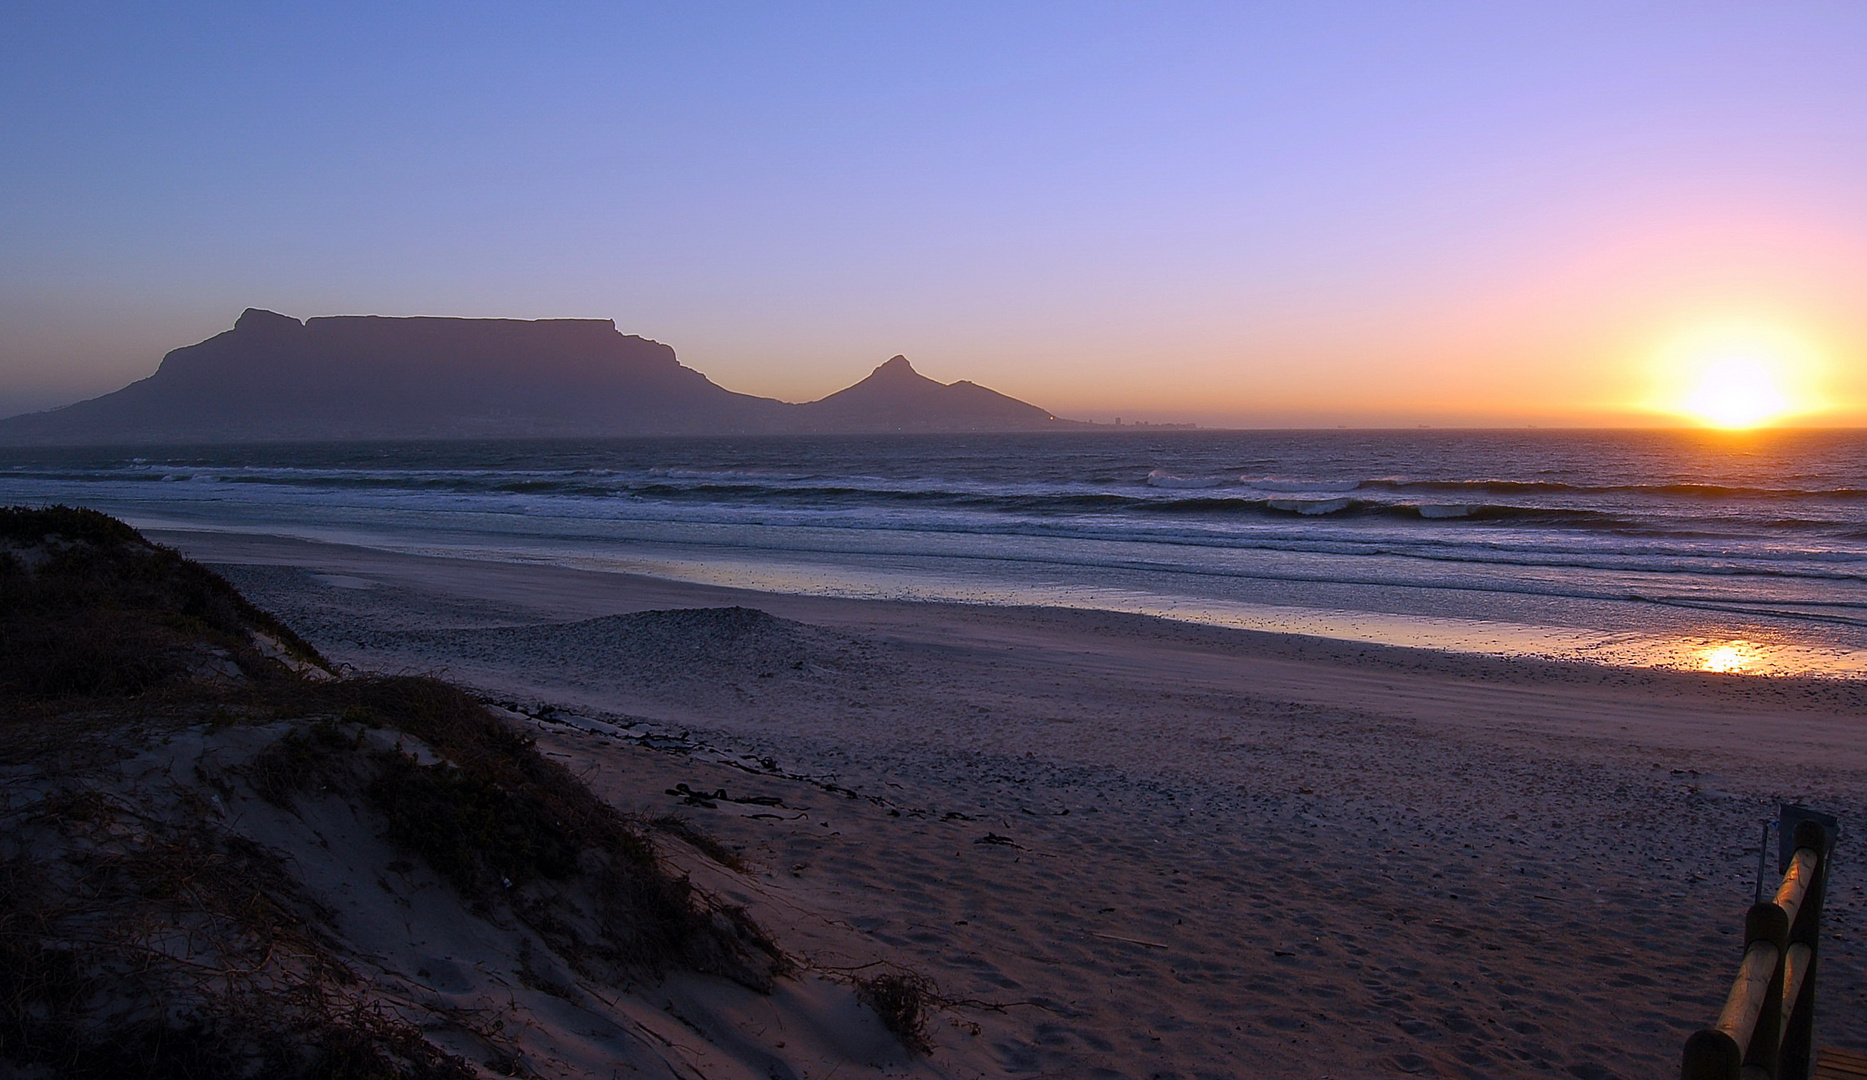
(1766, 1029)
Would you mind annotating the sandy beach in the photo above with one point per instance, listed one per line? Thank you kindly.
(1127, 847)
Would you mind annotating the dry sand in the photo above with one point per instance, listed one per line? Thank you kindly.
(1129, 847)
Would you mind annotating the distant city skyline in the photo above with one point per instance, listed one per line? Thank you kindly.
(1334, 213)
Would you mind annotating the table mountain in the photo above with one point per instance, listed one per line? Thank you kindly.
(272, 377)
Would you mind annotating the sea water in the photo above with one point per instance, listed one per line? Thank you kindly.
(1733, 552)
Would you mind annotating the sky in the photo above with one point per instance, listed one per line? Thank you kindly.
(1238, 213)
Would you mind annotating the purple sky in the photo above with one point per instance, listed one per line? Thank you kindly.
(1283, 213)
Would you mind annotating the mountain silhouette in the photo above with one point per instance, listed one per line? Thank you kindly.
(895, 397)
(273, 377)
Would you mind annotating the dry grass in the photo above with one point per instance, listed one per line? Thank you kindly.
(102, 632)
(904, 1001)
(513, 829)
(88, 607)
(156, 949)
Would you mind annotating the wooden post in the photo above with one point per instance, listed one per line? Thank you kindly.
(1767, 924)
(1797, 1049)
(1712, 1055)
(1766, 1029)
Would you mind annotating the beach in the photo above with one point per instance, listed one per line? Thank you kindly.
(941, 541)
(1124, 846)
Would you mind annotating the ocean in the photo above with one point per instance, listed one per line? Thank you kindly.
(1744, 553)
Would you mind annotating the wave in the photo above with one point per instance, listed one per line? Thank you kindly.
(1234, 507)
(1305, 549)
(1775, 609)
(1500, 486)
(1161, 498)
(1310, 507)
(1342, 507)
(1161, 478)
(1675, 490)
(1273, 483)
(1582, 538)
(1213, 506)
(1157, 477)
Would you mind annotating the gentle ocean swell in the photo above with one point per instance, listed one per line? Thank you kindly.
(1767, 531)
(806, 492)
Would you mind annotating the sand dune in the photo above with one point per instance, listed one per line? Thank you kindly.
(222, 859)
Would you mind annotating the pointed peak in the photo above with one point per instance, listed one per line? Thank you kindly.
(261, 319)
(897, 372)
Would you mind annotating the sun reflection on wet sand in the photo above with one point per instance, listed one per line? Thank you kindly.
(1733, 658)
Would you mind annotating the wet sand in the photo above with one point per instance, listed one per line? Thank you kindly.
(1142, 848)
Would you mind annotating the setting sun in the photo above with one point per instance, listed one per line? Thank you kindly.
(1737, 376)
(1737, 392)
